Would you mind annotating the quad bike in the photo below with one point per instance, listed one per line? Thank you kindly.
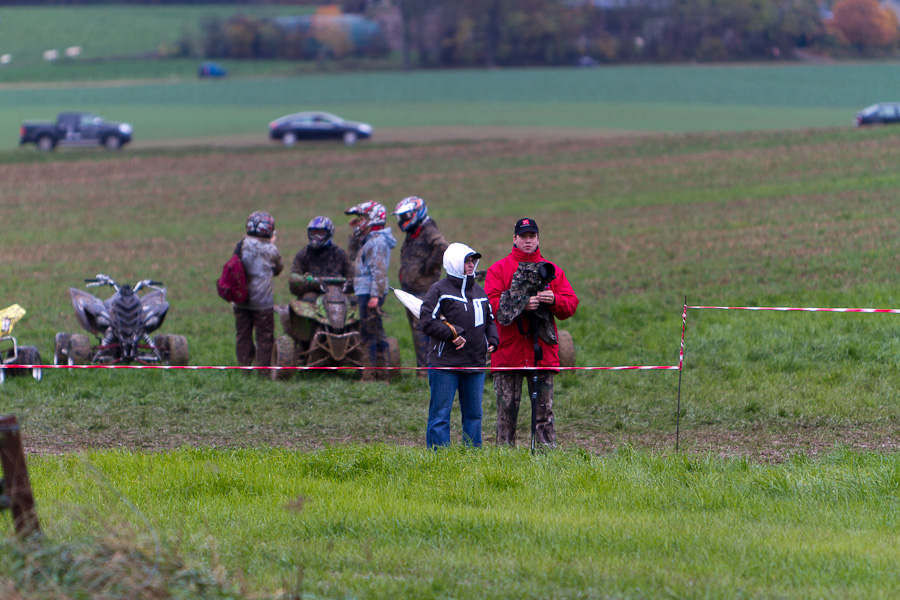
(323, 333)
(11, 353)
(122, 325)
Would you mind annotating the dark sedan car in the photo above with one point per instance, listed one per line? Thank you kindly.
(317, 126)
(879, 114)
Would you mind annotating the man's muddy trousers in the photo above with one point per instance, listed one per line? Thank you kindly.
(508, 385)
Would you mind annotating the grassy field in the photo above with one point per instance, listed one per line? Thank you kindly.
(376, 522)
(107, 33)
(638, 223)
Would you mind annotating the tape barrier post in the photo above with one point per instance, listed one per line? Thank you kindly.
(16, 494)
(680, 371)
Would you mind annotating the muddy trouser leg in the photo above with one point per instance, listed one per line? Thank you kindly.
(420, 343)
(508, 387)
(243, 337)
(545, 430)
(264, 323)
(373, 340)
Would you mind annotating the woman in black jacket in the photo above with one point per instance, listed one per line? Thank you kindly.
(456, 316)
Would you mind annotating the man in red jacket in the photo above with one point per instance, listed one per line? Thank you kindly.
(527, 293)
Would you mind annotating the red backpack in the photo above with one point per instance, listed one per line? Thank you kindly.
(232, 285)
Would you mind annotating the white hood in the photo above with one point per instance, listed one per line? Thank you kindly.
(455, 258)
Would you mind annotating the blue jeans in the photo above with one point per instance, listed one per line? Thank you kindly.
(444, 385)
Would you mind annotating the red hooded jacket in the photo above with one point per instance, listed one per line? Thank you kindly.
(516, 349)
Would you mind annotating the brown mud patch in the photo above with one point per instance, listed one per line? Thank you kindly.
(755, 444)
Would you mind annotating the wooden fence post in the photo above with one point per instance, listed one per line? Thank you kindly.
(16, 493)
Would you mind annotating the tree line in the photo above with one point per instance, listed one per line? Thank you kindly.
(459, 33)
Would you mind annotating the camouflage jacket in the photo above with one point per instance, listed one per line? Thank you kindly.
(262, 263)
(372, 262)
(421, 256)
(526, 282)
(330, 261)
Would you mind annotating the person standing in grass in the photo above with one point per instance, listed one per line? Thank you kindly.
(371, 283)
(527, 294)
(457, 318)
(262, 263)
(420, 263)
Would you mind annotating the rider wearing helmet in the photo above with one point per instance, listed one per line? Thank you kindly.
(320, 258)
(371, 281)
(421, 256)
(262, 263)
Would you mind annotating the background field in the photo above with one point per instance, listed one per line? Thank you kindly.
(165, 102)
(621, 99)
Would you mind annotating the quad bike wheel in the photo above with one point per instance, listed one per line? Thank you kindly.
(161, 342)
(79, 350)
(394, 359)
(29, 355)
(282, 356)
(60, 348)
(178, 350)
(566, 349)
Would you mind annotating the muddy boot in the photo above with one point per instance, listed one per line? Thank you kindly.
(382, 362)
(369, 373)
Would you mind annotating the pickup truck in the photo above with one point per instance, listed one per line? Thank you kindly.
(75, 129)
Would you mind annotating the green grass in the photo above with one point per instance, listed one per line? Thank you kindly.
(107, 32)
(377, 521)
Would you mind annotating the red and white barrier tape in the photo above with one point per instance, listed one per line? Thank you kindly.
(803, 309)
(224, 368)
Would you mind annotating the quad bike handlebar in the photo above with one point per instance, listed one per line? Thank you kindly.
(322, 281)
(102, 279)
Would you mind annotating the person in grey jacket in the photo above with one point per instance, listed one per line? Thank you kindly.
(262, 263)
(371, 283)
(456, 315)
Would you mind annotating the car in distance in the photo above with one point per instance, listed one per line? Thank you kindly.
(317, 126)
(211, 69)
(879, 114)
(77, 129)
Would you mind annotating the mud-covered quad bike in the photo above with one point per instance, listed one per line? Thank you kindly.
(11, 353)
(323, 333)
(122, 325)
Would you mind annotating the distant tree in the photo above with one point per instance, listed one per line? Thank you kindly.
(865, 23)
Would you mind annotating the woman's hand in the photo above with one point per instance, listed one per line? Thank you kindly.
(459, 341)
(492, 348)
